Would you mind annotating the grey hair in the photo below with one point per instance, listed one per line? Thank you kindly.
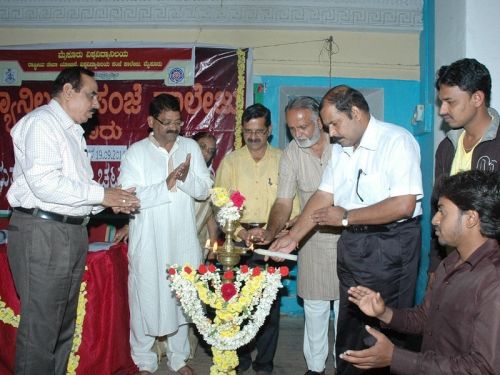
(304, 102)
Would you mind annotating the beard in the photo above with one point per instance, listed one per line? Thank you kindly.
(309, 142)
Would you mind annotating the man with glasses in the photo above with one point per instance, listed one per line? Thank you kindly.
(253, 170)
(52, 196)
(372, 188)
(169, 173)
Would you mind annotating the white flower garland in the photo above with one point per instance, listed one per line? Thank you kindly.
(256, 312)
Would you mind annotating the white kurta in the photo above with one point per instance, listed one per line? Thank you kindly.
(164, 231)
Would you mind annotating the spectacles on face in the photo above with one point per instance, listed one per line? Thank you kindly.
(169, 122)
(258, 132)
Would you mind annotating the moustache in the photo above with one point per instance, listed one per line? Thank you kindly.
(335, 139)
(172, 132)
(253, 141)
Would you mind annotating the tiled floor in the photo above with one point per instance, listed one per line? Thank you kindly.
(289, 359)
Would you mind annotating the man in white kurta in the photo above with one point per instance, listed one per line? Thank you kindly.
(169, 172)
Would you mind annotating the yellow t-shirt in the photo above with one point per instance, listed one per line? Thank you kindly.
(463, 159)
(257, 181)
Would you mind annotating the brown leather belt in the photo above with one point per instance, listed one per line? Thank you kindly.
(47, 215)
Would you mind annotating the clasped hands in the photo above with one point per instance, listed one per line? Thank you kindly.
(121, 200)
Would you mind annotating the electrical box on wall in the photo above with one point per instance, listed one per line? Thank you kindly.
(421, 120)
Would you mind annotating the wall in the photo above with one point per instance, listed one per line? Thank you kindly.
(360, 54)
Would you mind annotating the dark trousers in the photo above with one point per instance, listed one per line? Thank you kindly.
(266, 340)
(47, 260)
(386, 262)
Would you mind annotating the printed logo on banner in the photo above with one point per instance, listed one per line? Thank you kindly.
(176, 75)
(9, 76)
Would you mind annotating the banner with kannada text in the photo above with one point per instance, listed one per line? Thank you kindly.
(209, 82)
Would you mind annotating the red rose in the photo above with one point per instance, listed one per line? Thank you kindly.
(284, 271)
(244, 268)
(270, 269)
(212, 268)
(229, 275)
(228, 290)
(202, 269)
(237, 199)
(188, 270)
(172, 271)
(256, 271)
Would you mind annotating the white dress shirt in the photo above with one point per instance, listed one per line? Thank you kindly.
(52, 168)
(385, 164)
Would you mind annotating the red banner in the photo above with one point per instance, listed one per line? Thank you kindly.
(209, 82)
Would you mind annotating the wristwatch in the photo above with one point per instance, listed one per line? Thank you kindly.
(345, 220)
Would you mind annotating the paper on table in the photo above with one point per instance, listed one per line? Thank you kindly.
(275, 254)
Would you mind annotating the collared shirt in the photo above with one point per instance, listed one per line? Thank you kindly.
(52, 169)
(385, 164)
(300, 174)
(256, 180)
(459, 318)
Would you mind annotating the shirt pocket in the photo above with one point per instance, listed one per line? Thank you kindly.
(372, 188)
(307, 185)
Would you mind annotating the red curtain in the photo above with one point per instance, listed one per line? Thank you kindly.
(105, 347)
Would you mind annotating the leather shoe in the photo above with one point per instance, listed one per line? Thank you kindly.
(310, 372)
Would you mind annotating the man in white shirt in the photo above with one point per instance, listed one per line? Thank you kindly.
(169, 173)
(52, 196)
(373, 189)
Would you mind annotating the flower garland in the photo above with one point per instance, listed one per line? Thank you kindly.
(8, 316)
(254, 292)
(240, 96)
(74, 359)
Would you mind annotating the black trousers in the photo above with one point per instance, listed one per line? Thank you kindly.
(386, 262)
(47, 260)
(266, 341)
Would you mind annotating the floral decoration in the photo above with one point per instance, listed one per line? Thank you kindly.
(229, 204)
(241, 305)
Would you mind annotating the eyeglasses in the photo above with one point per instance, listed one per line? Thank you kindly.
(360, 172)
(254, 132)
(169, 122)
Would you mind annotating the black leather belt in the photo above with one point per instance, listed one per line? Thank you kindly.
(249, 226)
(377, 228)
(36, 212)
